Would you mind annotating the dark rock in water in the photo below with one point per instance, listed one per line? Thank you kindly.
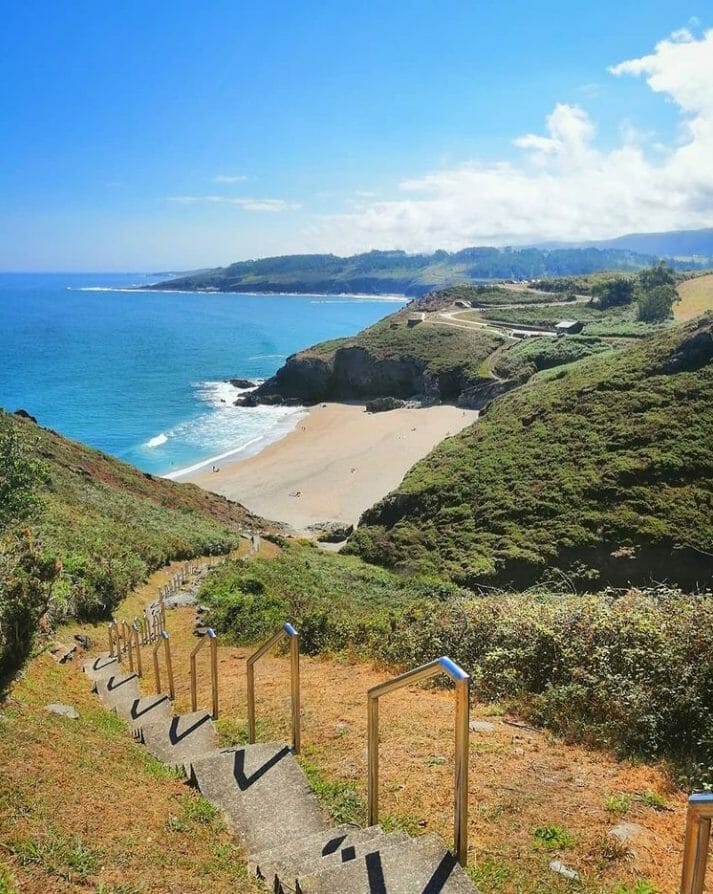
(249, 400)
(292, 402)
(23, 414)
(271, 399)
(382, 404)
(332, 531)
(242, 383)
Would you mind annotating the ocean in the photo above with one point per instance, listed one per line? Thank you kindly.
(143, 375)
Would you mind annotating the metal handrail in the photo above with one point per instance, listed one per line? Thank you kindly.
(462, 681)
(286, 630)
(210, 635)
(169, 665)
(696, 843)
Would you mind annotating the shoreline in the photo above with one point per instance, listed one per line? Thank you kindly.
(392, 297)
(334, 464)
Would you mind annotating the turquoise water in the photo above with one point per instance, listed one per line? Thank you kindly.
(141, 375)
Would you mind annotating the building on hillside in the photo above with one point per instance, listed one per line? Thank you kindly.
(569, 327)
(462, 303)
(415, 319)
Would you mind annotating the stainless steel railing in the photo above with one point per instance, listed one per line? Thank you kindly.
(213, 639)
(462, 733)
(696, 842)
(289, 631)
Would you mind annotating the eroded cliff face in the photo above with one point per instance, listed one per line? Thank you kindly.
(348, 373)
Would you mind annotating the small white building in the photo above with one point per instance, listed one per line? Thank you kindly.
(569, 327)
(415, 318)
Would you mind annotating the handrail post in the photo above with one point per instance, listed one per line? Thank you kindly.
(192, 673)
(295, 686)
(128, 645)
(696, 842)
(169, 666)
(214, 671)
(460, 821)
(156, 668)
(373, 759)
(462, 733)
(137, 646)
(111, 640)
(251, 703)
(287, 630)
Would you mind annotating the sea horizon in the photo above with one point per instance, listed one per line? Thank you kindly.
(143, 374)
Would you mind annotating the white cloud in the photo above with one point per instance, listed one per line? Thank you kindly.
(246, 204)
(563, 185)
(230, 178)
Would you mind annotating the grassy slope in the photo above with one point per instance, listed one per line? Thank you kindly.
(609, 453)
(696, 297)
(85, 808)
(110, 524)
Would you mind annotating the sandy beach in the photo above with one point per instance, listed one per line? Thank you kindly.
(337, 462)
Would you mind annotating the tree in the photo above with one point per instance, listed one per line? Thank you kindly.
(20, 478)
(656, 304)
(656, 293)
(614, 292)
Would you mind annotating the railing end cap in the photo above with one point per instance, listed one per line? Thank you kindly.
(700, 798)
(211, 633)
(289, 629)
(452, 669)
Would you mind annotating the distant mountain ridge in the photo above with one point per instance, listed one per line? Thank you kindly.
(676, 244)
(396, 272)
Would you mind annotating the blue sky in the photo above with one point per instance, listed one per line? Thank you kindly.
(152, 135)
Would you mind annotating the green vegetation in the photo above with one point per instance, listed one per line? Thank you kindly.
(383, 272)
(525, 358)
(656, 293)
(492, 296)
(629, 672)
(602, 468)
(552, 838)
(388, 359)
(614, 322)
(79, 529)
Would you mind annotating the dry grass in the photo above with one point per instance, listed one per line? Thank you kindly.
(521, 779)
(696, 297)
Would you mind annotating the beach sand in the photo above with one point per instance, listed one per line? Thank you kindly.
(337, 462)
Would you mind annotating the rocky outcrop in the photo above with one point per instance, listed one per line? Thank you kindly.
(383, 404)
(242, 383)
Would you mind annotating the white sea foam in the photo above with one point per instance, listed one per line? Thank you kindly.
(157, 441)
(231, 432)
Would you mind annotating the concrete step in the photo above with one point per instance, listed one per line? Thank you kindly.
(178, 741)
(100, 667)
(117, 688)
(139, 712)
(326, 840)
(289, 871)
(263, 793)
(418, 866)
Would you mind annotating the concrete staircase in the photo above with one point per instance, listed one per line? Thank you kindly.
(266, 799)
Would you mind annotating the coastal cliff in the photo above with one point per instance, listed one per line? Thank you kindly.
(390, 359)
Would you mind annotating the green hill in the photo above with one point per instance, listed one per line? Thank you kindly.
(386, 272)
(602, 468)
(79, 529)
